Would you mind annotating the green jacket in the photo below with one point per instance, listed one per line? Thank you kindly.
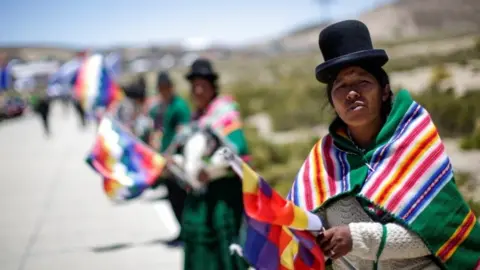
(175, 114)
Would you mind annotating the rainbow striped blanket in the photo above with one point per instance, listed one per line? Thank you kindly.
(406, 174)
(223, 117)
(95, 86)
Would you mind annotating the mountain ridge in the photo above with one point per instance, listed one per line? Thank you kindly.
(390, 22)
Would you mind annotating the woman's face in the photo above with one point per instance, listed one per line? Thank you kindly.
(202, 92)
(139, 102)
(166, 91)
(357, 97)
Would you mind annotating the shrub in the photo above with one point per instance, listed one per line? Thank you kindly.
(289, 107)
(477, 45)
(472, 141)
(440, 73)
(408, 63)
(277, 164)
(452, 114)
(465, 182)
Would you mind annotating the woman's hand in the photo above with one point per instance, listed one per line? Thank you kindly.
(154, 143)
(203, 176)
(336, 242)
(169, 160)
(154, 140)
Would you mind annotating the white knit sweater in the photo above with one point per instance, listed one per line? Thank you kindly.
(403, 249)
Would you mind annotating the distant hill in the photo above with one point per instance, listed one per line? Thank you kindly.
(156, 54)
(37, 52)
(403, 19)
(391, 23)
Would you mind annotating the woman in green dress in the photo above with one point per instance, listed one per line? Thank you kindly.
(212, 219)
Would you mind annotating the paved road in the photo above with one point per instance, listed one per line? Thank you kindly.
(54, 214)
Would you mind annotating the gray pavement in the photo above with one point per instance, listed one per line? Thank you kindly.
(54, 214)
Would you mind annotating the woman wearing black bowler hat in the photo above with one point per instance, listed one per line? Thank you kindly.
(381, 180)
(212, 218)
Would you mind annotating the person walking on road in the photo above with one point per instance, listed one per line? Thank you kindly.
(212, 219)
(172, 113)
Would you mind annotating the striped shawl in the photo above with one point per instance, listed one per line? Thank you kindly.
(405, 173)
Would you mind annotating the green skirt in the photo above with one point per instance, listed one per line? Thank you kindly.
(211, 223)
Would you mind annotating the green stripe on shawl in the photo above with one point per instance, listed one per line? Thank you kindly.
(446, 213)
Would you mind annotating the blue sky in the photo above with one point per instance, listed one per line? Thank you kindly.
(140, 22)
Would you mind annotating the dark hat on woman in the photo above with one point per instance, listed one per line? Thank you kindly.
(202, 68)
(163, 78)
(136, 90)
(344, 44)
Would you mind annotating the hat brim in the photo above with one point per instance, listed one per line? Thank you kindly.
(328, 70)
(209, 76)
(134, 93)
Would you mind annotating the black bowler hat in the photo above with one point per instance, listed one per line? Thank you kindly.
(136, 89)
(344, 44)
(163, 78)
(202, 68)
